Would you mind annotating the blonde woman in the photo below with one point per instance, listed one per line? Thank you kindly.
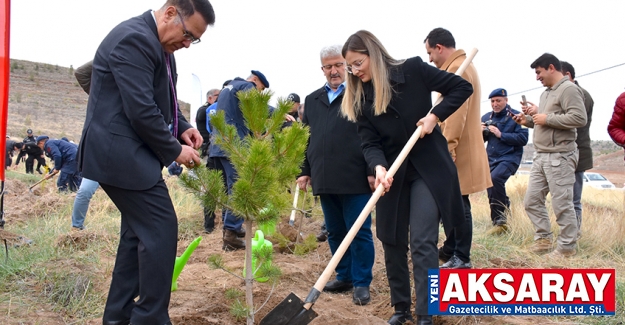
(388, 99)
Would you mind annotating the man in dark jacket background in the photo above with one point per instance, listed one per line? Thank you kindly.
(583, 147)
(337, 170)
(505, 149)
(34, 153)
(11, 146)
(200, 120)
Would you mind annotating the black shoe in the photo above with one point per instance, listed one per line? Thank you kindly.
(424, 320)
(443, 256)
(400, 317)
(361, 296)
(208, 230)
(322, 235)
(240, 233)
(39, 171)
(337, 286)
(456, 263)
(116, 322)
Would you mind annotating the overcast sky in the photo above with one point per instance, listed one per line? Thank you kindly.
(282, 39)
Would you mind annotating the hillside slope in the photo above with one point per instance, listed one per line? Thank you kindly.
(47, 99)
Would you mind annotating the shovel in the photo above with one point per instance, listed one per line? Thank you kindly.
(292, 218)
(47, 177)
(292, 310)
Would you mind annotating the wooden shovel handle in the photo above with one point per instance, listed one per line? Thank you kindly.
(292, 218)
(340, 251)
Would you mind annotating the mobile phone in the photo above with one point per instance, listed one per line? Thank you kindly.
(523, 100)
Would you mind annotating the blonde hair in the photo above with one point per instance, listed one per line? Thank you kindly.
(380, 63)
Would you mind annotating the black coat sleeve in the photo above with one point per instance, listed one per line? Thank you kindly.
(454, 89)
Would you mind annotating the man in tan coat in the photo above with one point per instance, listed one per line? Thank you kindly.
(464, 139)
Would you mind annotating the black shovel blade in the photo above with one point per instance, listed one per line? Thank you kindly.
(290, 311)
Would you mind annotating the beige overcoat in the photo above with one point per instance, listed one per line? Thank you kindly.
(463, 132)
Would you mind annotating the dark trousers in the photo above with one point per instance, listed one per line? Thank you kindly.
(209, 216)
(8, 161)
(231, 220)
(459, 240)
(144, 264)
(340, 212)
(423, 223)
(69, 181)
(497, 196)
(30, 163)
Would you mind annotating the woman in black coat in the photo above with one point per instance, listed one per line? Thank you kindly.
(388, 99)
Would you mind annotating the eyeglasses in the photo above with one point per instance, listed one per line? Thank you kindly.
(355, 66)
(186, 33)
(328, 67)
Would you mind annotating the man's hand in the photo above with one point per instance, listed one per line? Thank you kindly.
(303, 182)
(380, 178)
(189, 156)
(428, 122)
(289, 118)
(54, 172)
(529, 109)
(371, 181)
(540, 119)
(192, 138)
(494, 130)
(520, 118)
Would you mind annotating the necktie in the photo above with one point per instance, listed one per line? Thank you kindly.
(174, 129)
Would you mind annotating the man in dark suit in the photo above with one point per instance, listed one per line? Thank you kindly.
(133, 129)
(338, 172)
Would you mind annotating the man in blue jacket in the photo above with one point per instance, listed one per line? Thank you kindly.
(505, 139)
(229, 103)
(64, 155)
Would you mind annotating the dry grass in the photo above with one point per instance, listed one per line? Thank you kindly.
(35, 277)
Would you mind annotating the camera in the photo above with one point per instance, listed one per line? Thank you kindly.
(486, 132)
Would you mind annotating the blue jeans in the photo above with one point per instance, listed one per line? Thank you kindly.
(231, 221)
(340, 212)
(81, 202)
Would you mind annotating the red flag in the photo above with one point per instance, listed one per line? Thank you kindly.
(5, 12)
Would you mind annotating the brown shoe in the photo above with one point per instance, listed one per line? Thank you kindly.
(231, 241)
(562, 253)
(498, 230)
(76, 229)
(541, 246)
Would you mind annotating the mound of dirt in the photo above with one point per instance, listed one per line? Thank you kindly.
(22, 205)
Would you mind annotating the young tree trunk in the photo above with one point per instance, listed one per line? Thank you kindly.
(249, 277)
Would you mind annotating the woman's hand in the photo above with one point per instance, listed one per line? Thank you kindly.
(428, 123)
(380, 178)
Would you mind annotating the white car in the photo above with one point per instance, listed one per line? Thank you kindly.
(597, 180)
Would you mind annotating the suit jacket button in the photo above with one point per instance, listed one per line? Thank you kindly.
(396, 116)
